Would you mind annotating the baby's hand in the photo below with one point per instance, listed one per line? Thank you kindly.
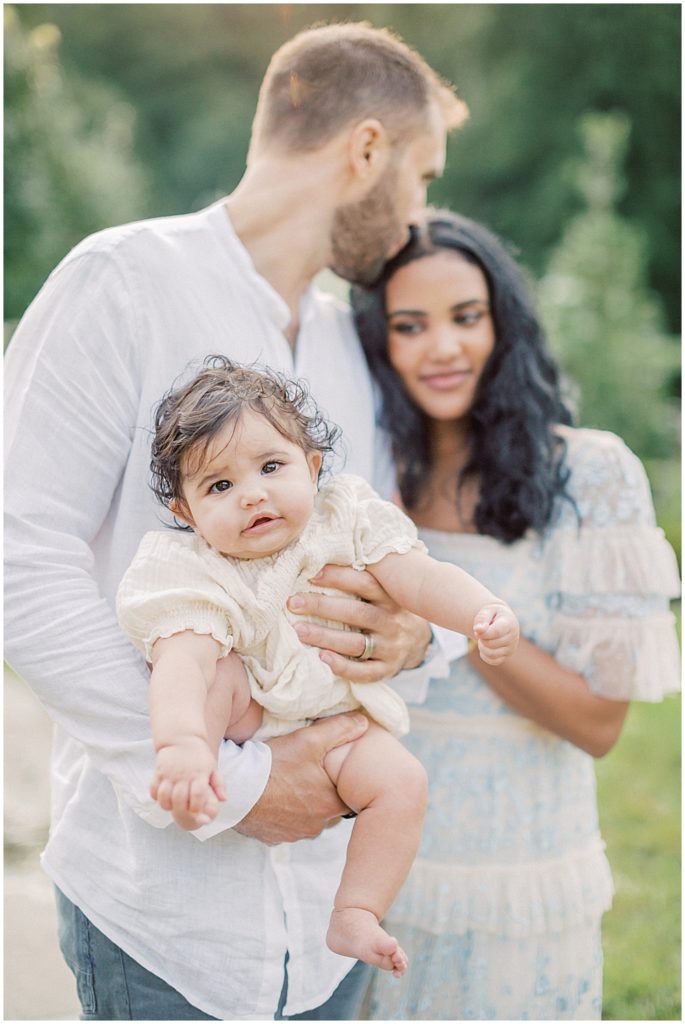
(187, 783)
(496, 630)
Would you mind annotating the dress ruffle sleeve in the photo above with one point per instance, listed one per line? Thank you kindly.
(612, 576)
(167, 589)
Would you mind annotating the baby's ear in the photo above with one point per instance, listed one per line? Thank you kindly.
(181, 511)
(314, 460)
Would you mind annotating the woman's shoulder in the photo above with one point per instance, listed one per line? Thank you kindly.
(603, 472)
(590, 451)
(591, 443)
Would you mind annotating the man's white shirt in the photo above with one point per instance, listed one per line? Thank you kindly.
(125, 315)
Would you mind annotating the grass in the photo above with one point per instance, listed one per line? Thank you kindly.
(640, 802)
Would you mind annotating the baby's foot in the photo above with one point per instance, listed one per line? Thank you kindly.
(357, 933)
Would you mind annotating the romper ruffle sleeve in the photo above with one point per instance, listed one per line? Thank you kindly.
(369, 527)
(611, 576)
(167, 589)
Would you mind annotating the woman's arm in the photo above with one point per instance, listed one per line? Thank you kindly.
(534, 684)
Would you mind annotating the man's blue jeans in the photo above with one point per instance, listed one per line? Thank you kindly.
(113, 986)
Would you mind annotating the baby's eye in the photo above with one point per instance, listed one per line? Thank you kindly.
(271, 467)
(219, 486)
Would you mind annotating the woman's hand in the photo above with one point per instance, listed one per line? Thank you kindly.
(397, 639)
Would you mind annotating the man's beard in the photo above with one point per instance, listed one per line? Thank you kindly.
(363, 233)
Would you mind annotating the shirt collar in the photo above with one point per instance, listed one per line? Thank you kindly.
(273, 303)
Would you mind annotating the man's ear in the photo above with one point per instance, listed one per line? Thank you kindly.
(369, 149)
(179, 508)
(314, 460)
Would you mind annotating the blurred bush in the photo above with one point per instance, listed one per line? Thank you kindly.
(69, 162)
(603, 319)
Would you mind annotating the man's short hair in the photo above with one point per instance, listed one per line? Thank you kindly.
(331, 76)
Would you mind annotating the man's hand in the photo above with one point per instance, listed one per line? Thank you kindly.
(399, 638)
(300, 799)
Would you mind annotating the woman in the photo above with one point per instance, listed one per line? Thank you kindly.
(501, 915)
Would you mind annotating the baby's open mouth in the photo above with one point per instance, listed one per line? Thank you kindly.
(258, 522)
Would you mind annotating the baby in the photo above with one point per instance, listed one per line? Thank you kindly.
(237, 456)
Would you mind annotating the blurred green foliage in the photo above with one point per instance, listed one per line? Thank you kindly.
(527, 71)
(641, 826)
(606, 325)
(69, 164)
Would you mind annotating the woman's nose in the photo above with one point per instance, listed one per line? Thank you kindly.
(445, 342)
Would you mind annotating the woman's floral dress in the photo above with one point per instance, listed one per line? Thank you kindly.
(501, 914)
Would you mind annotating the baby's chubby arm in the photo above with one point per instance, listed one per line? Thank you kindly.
(186, 781)
(447, 596)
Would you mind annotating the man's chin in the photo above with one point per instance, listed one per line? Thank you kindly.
(362, 277)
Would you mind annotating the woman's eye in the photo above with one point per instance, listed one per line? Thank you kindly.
(404, 327)
(219, 486)
(271, 467)
(470, 318)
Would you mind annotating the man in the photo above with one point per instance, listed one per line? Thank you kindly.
(350, 128)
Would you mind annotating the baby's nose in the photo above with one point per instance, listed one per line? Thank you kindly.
(252, 495)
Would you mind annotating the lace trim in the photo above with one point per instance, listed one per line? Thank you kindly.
(615, 560)
(515, 901)
(622, 659)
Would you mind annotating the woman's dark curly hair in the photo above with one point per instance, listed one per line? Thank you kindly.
(190, 416)
(515, 454)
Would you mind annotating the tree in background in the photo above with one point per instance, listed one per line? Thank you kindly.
(69, 163)
(527, 71)
(605, 323)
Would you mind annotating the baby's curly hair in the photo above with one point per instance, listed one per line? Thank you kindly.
(189, 417)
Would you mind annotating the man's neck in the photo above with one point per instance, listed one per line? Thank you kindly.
(278, 215)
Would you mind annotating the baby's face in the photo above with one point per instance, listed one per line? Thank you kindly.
(254, 492)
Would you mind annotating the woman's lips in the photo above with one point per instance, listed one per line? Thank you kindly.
(445, 381)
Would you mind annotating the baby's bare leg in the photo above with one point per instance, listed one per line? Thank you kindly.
(386, 785)
(230, 711)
